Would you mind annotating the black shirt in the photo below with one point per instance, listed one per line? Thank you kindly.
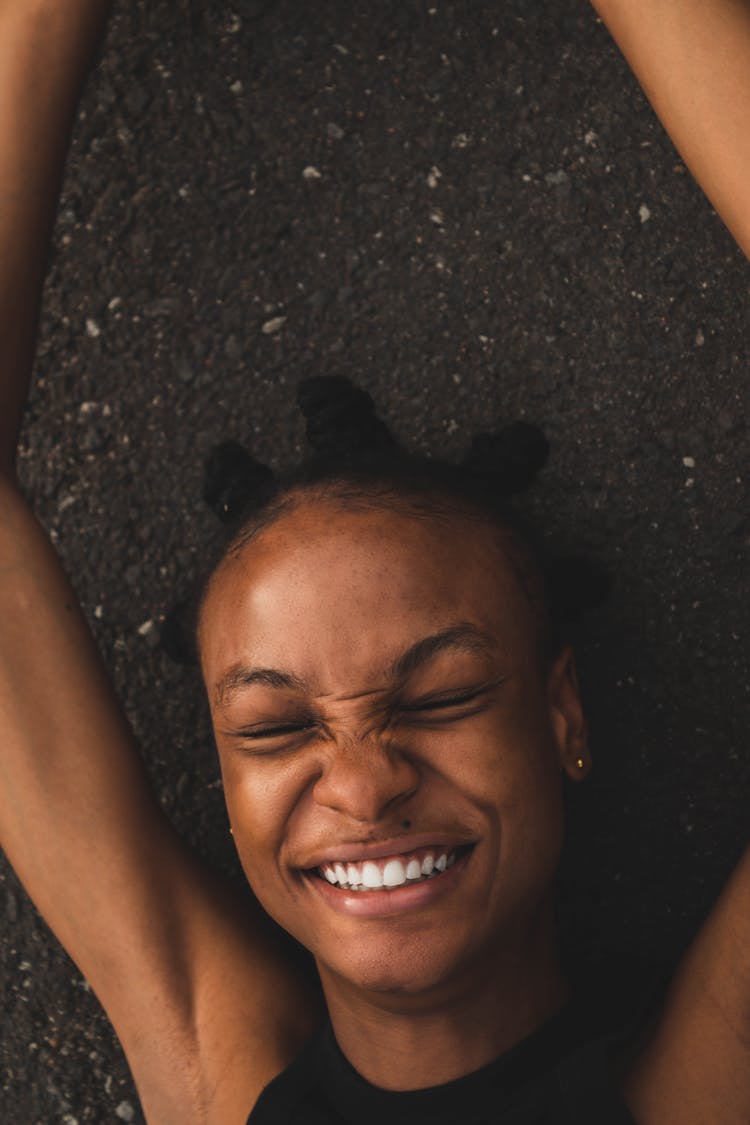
(559, 1075)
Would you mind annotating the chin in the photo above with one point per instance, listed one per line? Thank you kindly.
(397, 966)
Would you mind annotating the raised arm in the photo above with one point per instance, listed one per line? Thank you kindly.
(45, 53)
(692, 58)
(205, 1007)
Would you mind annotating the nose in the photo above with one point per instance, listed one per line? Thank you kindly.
(366, 780)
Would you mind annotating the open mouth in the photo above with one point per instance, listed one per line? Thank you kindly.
(391, 872)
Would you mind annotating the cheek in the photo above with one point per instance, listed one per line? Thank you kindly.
(507, 766)
(260, 799)
(507, 752)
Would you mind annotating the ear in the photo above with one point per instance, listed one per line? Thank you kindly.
(566, 716)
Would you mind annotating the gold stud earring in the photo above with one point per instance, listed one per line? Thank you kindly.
(580, 763)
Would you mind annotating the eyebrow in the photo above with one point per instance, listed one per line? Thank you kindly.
(463, 636)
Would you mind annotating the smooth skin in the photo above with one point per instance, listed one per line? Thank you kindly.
(464, 747)
(692, 58)
(204, 1005)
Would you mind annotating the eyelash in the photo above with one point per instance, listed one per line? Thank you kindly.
(439, 704)
(274, 732)
(435, 705)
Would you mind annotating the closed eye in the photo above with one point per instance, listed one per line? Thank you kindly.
(272, 732)
(443, 704)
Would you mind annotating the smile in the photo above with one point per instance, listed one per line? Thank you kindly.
(389, 872)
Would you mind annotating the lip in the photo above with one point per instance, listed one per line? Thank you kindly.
(380, 849)
(398, 900)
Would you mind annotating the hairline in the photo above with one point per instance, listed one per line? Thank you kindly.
(432, 503)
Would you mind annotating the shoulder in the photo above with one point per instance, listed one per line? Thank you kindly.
(692, 1063)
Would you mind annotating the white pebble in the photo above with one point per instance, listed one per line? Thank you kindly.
(114, 303)
(125, 1111)
(92, 328)
(700, 339)
(273, 325)
(311, 173)
(146, 628)
(434, 175)
(236, 87)
(644, 212)
(689, 462)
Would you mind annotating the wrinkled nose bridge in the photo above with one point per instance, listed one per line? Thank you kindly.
(364, 774)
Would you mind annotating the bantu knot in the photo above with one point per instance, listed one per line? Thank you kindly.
(232, 478)
(575, 586)
(513, 456)
(341, 418)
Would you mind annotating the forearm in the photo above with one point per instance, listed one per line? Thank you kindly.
(46, 49)
(692, 58)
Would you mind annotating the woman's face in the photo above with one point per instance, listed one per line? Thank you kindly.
(379, 708)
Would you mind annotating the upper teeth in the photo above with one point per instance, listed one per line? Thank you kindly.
(390, 871)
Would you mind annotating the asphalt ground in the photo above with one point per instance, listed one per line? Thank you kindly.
(495, 227)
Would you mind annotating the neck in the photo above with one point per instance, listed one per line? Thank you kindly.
(412, 1041)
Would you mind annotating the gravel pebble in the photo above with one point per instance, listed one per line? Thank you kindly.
(274, 325)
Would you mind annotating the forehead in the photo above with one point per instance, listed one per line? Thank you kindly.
(335, 593)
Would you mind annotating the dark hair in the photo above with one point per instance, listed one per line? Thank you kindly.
(356, 460)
